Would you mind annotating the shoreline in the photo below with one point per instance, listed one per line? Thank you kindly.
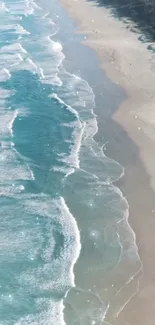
(129, 64)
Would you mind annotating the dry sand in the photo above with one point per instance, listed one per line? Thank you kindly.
(128, 63)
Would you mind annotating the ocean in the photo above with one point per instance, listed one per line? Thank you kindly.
(67, 252)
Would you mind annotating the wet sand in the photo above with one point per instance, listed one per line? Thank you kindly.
(128, 63)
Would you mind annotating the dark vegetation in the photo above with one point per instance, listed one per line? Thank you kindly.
(142, 12)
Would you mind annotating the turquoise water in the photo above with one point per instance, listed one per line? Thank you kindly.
(58, 204)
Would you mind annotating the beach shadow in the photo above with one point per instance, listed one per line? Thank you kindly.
(138, 15)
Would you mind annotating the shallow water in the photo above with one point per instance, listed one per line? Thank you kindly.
(58, 200)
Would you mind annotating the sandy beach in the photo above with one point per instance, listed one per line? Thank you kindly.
(129, 63)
